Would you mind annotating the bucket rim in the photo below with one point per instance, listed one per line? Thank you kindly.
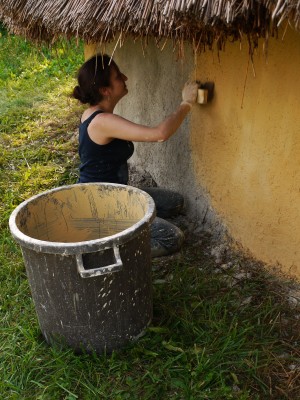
(89, 246)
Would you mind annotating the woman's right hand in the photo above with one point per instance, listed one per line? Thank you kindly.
(190, 92)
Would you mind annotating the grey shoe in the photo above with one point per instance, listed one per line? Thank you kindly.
(166, 238)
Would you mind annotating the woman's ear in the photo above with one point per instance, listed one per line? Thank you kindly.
(104, 91)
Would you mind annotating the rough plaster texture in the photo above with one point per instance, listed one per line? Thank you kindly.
(235, 160)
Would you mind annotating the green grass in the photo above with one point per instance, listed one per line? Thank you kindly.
(207, 339)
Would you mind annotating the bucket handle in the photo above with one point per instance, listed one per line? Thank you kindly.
(108, 269)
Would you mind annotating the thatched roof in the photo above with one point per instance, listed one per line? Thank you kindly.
(202, 22)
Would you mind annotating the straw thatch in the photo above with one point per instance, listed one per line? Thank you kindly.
(201, 22)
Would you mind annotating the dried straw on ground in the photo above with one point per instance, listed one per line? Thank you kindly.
(201, 22)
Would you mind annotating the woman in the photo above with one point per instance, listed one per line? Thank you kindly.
(105, 139)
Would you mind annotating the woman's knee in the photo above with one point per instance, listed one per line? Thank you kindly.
(167, 202)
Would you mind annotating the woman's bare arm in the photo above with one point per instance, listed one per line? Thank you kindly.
(106, 127)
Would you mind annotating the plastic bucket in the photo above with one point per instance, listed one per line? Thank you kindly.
(86, 248)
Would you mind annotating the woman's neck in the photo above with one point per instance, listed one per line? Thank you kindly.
(105, 105)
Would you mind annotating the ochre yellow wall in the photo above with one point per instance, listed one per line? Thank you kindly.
(246, 147)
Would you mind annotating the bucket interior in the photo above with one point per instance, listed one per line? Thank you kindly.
(81, 213)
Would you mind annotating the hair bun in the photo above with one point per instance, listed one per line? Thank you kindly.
(77, 93)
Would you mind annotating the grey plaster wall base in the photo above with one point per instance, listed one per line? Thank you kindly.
(155, 81)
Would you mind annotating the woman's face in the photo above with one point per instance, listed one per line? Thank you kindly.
(117, 83)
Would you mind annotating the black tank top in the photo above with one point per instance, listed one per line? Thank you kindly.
(102, 162)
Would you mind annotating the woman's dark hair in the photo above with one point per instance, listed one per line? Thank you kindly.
(93, 75)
